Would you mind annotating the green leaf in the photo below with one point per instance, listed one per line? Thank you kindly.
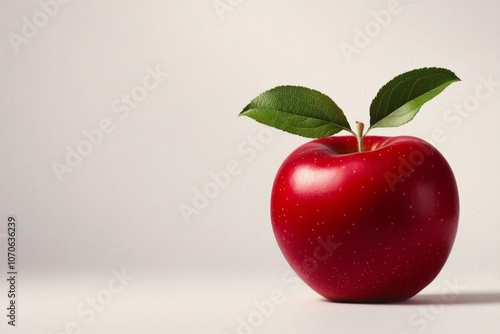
(398, 101)
(298, 110)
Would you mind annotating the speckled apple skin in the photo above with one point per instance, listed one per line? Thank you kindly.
(365, 227)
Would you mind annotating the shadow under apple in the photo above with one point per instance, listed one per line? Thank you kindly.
(463, 298)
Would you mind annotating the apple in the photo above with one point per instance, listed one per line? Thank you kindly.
(361, 218)
(371, 226)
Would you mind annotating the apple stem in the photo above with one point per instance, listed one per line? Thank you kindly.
(359, 135)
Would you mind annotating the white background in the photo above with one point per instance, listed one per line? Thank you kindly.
(119, 208)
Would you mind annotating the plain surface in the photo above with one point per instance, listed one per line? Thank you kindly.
(119, 208)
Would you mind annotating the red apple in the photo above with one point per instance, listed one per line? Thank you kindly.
(370, 226)
(362, 218)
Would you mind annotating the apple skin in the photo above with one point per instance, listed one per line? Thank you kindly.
(375, 226)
